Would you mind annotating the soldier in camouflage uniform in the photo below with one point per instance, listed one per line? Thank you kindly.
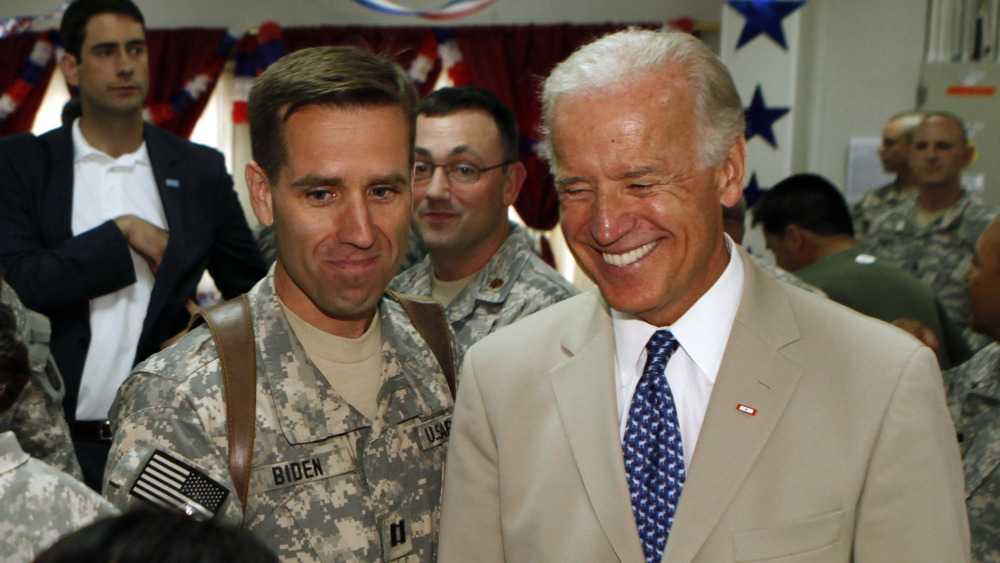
(339, 474)
(513, 284)
(38, 503)
(894, 151)
(479, 265)
(37, 418)
(940, 251)
(974, 400)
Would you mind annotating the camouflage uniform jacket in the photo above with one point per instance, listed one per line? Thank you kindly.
(875, 203)
(938, 254)
(37, 417)
(39, 504)
(327, 484)
(513, 284)
(974, 400)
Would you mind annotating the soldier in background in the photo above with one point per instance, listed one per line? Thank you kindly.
(37, 417)
(468, 173)
(353, 411)
(894, 152)
(934, 234)
(38, 503)
(974, 400)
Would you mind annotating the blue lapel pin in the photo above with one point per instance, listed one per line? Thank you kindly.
(172, 183)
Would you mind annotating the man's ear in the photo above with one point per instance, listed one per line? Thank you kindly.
(515, 179)
(729, 174)
(260, 193)
(794, 238)
(70, 69)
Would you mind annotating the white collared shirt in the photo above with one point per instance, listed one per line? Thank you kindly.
(702, 332)
(105, 188)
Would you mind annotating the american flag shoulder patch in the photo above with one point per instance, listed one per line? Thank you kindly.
(172, 484)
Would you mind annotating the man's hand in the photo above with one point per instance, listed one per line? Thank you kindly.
(916, 328)
(145, 238)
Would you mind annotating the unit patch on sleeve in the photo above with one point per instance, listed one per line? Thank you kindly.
(170, 483)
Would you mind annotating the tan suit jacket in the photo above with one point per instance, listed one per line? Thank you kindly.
(851, 454)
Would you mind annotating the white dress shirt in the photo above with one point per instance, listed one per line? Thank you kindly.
(105, 188)
(702, 332)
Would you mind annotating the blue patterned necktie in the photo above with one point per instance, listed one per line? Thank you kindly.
(654, 457)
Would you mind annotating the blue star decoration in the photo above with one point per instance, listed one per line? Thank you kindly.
(752, 192)
(764, 16)
(760, 118)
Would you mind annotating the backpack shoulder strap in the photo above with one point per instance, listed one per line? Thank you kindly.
(232, 328)
(430, 321)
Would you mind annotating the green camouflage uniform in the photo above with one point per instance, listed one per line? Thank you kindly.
(938, 254)
(37, 417)
(974, 400)
(875, 203)
(327, 484)
(513, 284)
(39, 504)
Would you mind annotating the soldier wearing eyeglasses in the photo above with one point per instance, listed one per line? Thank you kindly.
(467, 173)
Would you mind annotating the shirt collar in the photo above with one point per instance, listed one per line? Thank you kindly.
(702, 331)
(82, 150)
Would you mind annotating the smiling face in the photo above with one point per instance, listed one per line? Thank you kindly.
(643, 220)
(463, 221)
(113, 71)
(340, 210)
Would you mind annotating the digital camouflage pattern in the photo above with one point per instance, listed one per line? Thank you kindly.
(37, 418)
(875, 203)
(513, 284)
(974, 400)
(938, 254)
(39, 504)
(327, 484)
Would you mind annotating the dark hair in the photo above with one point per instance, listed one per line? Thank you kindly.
(346, 77)
(73, 29)
(807, 200)
(14, 367)
(449, 100)
(150, 535)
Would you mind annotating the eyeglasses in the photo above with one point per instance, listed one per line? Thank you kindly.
(461, 172)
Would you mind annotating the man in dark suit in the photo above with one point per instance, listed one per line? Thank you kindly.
(107, 224)
(760, 422)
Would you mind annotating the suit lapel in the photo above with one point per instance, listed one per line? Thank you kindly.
(584, 388)
(754, 374)
(170, 184)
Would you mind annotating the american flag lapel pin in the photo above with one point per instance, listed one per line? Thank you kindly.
(749, 410)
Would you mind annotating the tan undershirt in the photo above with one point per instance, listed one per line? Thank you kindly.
(353, 366)
(925, 218)
(445, 292)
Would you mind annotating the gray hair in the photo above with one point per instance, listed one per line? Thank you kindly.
(618, 57)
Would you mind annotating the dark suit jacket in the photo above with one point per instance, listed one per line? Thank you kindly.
(850, 455)
(57, 274)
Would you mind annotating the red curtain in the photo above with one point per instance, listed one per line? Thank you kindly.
(14, 54)
(175, 57)
(513, 61)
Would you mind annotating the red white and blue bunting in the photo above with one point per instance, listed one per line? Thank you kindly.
(451, 10)
(441, 45)
(195, 88)
(10, 27)
(45, 47)
(255, 54)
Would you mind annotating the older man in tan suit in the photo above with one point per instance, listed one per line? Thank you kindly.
(759, 423)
